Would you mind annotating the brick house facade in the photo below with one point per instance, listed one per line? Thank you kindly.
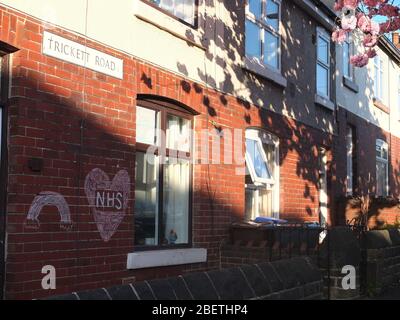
(62, 122)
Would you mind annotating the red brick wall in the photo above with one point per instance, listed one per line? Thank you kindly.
(76, 120)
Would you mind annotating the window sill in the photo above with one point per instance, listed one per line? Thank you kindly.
(164, 258)
(155, 17)
(350, 84)
(324, 102)
(254, 66)
(379, 104)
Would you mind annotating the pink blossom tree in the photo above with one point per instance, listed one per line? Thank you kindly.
(358, 16)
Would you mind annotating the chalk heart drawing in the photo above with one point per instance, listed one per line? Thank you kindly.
(48, 198)
(108, 200)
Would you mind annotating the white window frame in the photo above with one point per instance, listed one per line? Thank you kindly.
(378, 78)
(384, 146)
(258, 180)
(264, 27)
(270, 184)
(349, 161)
(322, 33)
(347, 66)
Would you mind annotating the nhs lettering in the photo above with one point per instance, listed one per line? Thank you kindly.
(109, 199)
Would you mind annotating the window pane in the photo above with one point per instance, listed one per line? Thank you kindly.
(269, 150)
(271, 45)
(346, 60)
(381, 178)
(254, 152)
(250, 204)
(146, 125)
(146, 199)
(378, 151)
(378, 78)
(182, 9)
(253, 40)
(272, 17)
(178, 133)
(265, 203)
(255, 7)
(176, 202)
(323, 50)
(322, 80)
(385, 154)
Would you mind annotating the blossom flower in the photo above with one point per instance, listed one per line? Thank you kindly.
(352, 18)
(370, 40)
(349, 22)
(371, 53)
(350, 4)
(373, 3)
(360, 60)
(339, 36)
(388, 10)
(338, 5)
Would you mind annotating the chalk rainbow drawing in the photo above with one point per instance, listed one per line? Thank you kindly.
(48, 198)
(108, 200)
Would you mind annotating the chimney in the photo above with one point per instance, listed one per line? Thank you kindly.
(396, 39)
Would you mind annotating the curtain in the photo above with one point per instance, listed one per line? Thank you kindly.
(178, 133)
(176, 201)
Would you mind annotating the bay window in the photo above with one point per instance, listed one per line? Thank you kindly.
(184, 10)
(163, 176)
(263, 40)
(262, 176)
(323, 63)
(382, 168)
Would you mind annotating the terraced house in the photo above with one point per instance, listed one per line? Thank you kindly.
(134, 134)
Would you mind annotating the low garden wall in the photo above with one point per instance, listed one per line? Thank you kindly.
(292, 279)
(381, 260)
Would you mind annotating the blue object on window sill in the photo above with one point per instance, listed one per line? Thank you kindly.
(269, 220)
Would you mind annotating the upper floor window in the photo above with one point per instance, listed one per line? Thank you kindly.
(347, 53)
(378, 78)
(263, 40)
(162, 176)
(262, 178)
(184, 10)
(382, 168)
(323, 63)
